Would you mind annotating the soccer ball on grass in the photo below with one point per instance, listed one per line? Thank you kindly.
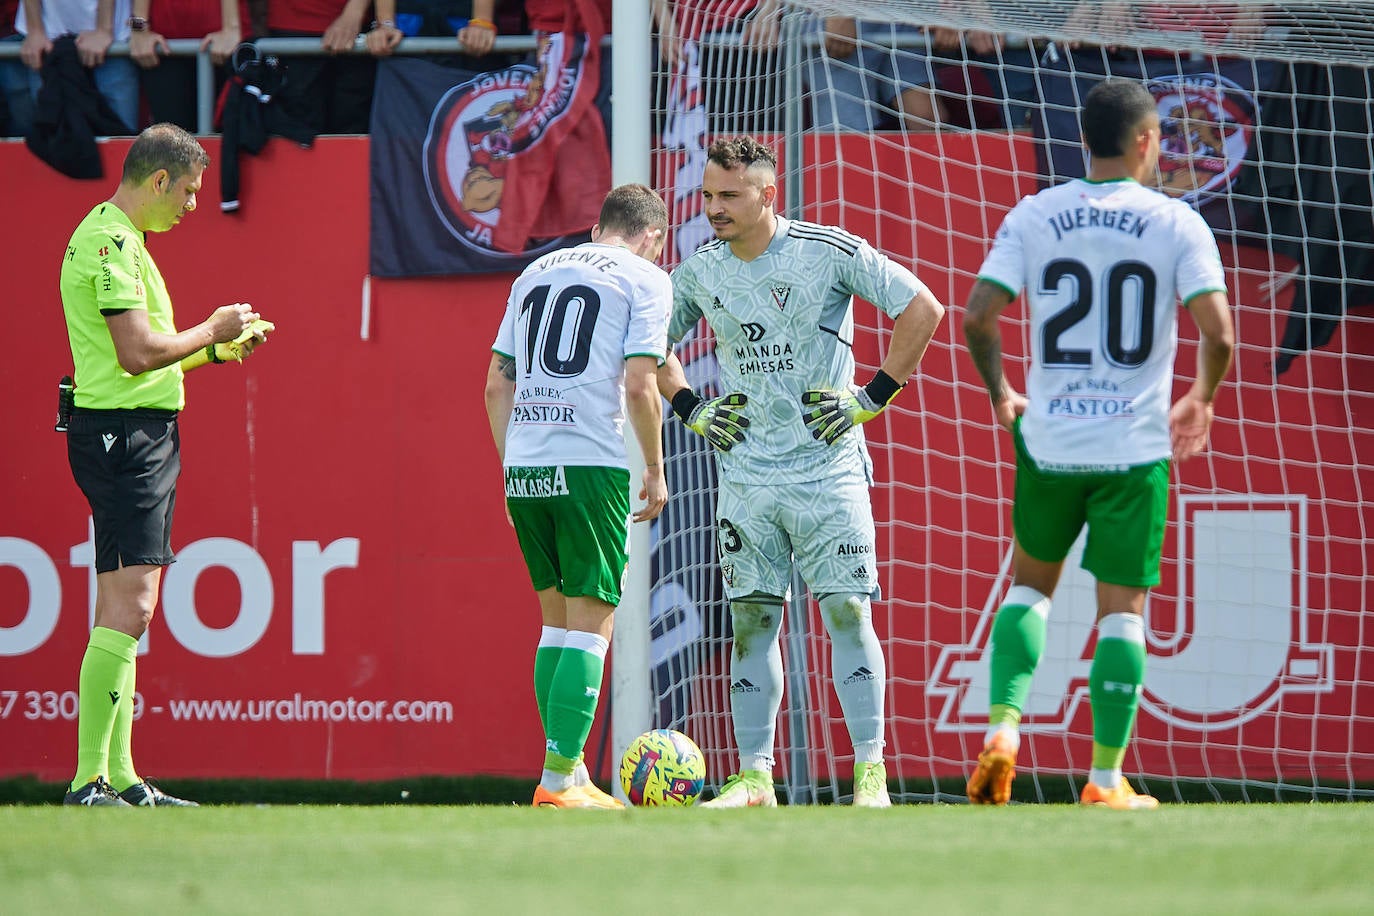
(662, 768)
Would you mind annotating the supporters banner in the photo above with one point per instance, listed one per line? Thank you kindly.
(483, 172)
(1315, 184)
(1208, 111)
(1230, 147)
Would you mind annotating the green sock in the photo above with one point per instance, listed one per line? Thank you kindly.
(546, 657)
(1018, 640)
(104, 671)
(1108, 758)
(1002, 714)
(122, 775)
(1114, 681)
(573, 696)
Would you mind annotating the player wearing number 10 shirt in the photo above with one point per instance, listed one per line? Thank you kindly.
(1104, 262)
(794, 470)
(584, 332)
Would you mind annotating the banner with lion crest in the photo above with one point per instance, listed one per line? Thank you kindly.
(483, 172)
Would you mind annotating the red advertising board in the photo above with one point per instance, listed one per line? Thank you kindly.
(349, 601)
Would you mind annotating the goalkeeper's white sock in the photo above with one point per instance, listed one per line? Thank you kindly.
(860, 672)
(755, 679)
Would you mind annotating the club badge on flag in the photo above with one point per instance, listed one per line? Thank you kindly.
(1207, 112)
(483, 172)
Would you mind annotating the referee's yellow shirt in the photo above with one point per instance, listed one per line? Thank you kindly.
(108, 268)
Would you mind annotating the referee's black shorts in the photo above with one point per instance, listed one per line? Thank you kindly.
(127, 463)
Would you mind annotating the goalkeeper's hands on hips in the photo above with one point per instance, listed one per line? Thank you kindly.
(830, 413)
(718, 419)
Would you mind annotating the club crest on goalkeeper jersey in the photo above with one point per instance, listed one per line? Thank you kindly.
(784, 323)
(574, 316)
(1104, 265)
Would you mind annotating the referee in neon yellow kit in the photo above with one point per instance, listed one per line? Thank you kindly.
(122, 439)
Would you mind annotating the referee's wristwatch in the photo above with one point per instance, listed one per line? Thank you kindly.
(138, 24)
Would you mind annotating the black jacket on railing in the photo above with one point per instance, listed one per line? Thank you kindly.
(249, 114)
(70, 113)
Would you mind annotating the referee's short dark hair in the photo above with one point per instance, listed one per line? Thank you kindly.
(746, 151)
(1111, 114)
(163, 146)
(632, 208)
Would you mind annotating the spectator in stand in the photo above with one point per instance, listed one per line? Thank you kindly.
(967, 66)
(16, 102)
(169, 85)
(732, 45)
(97, 25)
(883, 75)
(471, 22)
(870, 75)
(333, 93)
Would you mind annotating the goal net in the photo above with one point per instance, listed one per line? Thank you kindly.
(918, 127)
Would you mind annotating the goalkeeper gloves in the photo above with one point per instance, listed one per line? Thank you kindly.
(829, 414)
(718, 419)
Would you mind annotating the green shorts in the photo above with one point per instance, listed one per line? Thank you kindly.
(1125, 512)
(572, 524)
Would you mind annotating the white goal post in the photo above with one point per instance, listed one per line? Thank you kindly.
(1260, 679)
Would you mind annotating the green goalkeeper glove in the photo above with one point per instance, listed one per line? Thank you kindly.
(718, 419)
(829, 413)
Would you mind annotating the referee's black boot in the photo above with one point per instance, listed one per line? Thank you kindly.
(96, 793)
(145, 794)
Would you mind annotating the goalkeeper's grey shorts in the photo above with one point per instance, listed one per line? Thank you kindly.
(824, 526)
(127, 463)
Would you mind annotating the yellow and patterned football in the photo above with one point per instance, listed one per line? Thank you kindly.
(662, 768)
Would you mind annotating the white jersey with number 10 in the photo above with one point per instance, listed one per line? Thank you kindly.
(573, 318)
(1104, 266)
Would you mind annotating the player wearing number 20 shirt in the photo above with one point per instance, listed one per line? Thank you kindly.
(1105, 262)
(1104, 265)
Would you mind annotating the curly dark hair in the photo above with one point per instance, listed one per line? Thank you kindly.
(746, 151)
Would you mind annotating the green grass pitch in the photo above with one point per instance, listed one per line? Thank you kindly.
(929, 859)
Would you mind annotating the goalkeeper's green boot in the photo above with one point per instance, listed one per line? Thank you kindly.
(746, 789)
(870, 786)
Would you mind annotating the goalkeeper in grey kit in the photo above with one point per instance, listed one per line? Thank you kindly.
(794, 469)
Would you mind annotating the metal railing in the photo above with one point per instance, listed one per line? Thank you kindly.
(292, 47)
